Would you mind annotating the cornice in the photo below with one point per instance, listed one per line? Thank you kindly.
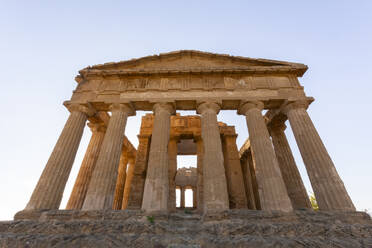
(195, 71)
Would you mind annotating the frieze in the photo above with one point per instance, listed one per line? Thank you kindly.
(112, 86)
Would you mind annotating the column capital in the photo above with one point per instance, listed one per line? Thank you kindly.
(77, 107)
(164, 106)
(301, 104)
(123, 107)
(246, 106)
(97, 127)
(208, 106)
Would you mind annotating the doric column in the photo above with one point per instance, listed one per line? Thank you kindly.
(199, 170)
(49, 189)
(234, 175)
(101, 189)
(120, 181)
(128, 183)
(157, 181)
(328, 187)
(194, 198)
(248, 182)
(252, 170)
(172, 154)
(272, 191)
(291, 176)
(80, 188)
(182, 197)
(139, 175)
(214, 179)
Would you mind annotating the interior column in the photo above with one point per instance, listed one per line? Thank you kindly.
(172, 153)
(120, 181)
(80, 188)
(128, 182)
(194, 198)
(234, 175)
(291, 176)
(199, 170)
(135, 190)
(182, 196)
(248, 184)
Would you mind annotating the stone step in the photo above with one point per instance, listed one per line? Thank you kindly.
(147, 240)
(220, 229)
(191, 228)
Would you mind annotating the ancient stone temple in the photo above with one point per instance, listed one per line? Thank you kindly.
(248, 196)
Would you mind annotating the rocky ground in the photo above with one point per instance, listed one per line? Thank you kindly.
(234, 228)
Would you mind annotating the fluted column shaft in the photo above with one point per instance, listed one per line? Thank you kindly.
(101, 189)
(172, 153)
(84, 176)
(135, 191)
(199, 170)
(128, 183)
(182, 197)
(234, 175)
(272, 191)
(214, 179)
(120, 181)
(248, 184)
(291, 176)
(328, 187)
(194, 198)
(157, 180)
(49, 189)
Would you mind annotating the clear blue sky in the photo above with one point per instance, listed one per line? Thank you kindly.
(43, 44)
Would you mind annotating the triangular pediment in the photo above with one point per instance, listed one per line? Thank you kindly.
(194, 60)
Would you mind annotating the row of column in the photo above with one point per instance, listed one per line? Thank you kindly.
(274, 169)
(278, 182)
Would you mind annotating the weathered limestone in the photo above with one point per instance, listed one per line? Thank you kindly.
(214, 180)
(234, 175)
(200, 187)
(182, 205)
(49, 189)
(328, 187)
(194, 197)
(252, 171)
(291, 176)
(101, 189)
(80, 188)
(157, 181)
(263, 176)
(172, 170)
(128, 182)
(135, 193)
(120, 181)
(248, 183)
(272, 191)
(186, 178)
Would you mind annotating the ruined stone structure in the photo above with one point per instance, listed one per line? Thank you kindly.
(187, 178)
(120, 184)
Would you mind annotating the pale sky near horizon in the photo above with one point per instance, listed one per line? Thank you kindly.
(43, 44)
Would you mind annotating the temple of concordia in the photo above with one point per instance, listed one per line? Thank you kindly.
(248, 196)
